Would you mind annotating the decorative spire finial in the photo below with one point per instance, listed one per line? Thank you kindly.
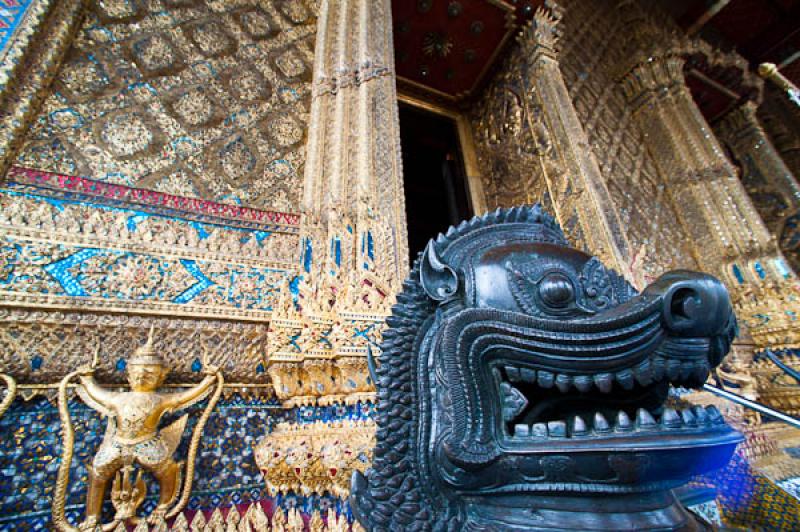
(146, 354)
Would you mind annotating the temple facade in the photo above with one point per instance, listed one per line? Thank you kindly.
(222, 182)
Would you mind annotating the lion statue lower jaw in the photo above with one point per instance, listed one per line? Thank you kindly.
(522, 386)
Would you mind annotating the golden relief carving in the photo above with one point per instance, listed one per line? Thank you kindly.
(133, 438)
(506, 153)
(321, 358)
(775, 388)
(315, 457)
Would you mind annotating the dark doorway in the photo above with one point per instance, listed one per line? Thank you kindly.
(433, 174)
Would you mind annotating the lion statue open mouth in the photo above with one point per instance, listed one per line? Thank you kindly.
(522, 387)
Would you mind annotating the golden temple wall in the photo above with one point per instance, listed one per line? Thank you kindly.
(145, 185)
(226, 173)
(157, 182)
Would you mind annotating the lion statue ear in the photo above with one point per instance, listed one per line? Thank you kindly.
(438, 279)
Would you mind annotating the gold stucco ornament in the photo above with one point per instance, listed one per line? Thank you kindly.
(133, 438)
(11, 392)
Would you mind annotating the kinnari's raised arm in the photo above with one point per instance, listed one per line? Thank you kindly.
(176, 401)
(102, 395)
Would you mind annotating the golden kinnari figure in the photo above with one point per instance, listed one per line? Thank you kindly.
(133, 437)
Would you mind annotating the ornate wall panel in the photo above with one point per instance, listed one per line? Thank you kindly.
(28, 459)
(141, 198)
(199, 99)
(21, 20)
(72, 247)
(33, 451)
(508, 151)
(40, 347)
(532, 145)
(590, 52)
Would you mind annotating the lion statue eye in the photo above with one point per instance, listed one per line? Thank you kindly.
(556, 290)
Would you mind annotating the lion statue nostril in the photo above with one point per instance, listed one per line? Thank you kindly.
(556, 290)
(695, 304)
(686, 304)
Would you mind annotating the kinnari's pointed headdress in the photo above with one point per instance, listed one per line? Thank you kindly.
(146, 354)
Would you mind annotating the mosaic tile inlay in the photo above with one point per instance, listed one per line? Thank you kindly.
(30, 454)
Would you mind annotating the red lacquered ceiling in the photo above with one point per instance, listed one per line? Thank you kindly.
(446, 46)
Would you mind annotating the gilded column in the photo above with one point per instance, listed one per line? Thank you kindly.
(353, 175)
(764, 173)
(579, 194)
(769, 310)
(354, 240)
(780, 118)
(648, 87)
(714, 208)
(354, 252)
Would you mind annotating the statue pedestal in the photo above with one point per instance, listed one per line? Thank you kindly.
(650, 511)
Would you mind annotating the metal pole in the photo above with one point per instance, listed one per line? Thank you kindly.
(786, 369)
(758, 407)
